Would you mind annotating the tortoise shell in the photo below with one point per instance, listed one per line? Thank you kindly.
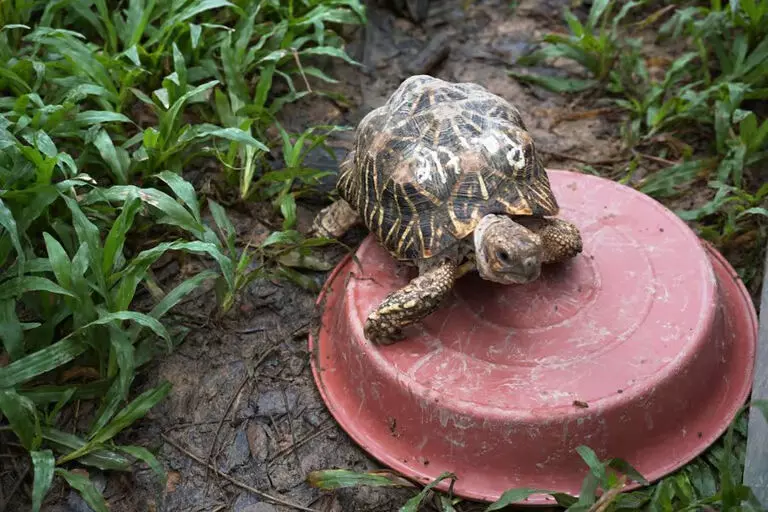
(429, 164)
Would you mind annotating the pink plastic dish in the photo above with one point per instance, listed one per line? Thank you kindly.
(649, 328)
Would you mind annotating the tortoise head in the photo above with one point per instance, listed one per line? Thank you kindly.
(507, 252)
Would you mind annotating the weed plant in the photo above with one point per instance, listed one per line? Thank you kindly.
(707, 110)
(102, 106)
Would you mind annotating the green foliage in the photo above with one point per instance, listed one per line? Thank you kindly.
(712, 481)
(595, 45)
(102, 106)
(710, 92)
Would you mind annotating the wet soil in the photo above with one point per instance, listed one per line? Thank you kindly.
(243, 394)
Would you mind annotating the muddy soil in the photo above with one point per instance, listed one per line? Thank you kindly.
(243, 392)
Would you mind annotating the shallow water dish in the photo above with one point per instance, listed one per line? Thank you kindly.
(641, 347)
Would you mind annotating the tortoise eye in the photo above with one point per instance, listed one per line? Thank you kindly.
(502, 256)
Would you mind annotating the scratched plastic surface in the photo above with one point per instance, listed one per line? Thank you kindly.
(641, 347)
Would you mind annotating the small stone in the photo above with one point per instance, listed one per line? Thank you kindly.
(260, 507)
(238, 452)
(312, 418)
(244, 501)
(246, 411)
(274, 403)
(258, 441)
(173, 480)
(75, 503)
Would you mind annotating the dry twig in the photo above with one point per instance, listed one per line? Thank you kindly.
(232, 480)
(232, 401)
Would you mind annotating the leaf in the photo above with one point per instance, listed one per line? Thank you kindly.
(172, 212)
(330, 51)
(597, 10)
(110, 155)
(149, 459)
(22, 416)
(110, 403)
(282, 237)
(179, 292)
(113, 244)
(92, 117)
(626, 468)
(135, 316)
(513, 496)
(16, 286)
(288, 210)
(264, 85)
(11, 332)
(84, 486)
(194, 34)
(9, 224)
(233, 134)
(60, 263)
(43, 463)
(101, 458)
(184, 191)
(122, 351)
(561, 85)
(413, 504)
(133, 411)
(135, 270)
(88, 232)
(169, 120)
(221, 219)
(342, 478)
(40, 362)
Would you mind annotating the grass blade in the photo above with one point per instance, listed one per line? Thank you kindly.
(113, 245)
(413, 504)
(40, 362)
(43, 463)
(60, 263)
(9, 223)
(122, 349)
(174, 296)
(328, 479)
(109, 153)
(135, 410)
(144, 455)
(513, 496)
(86, 489)
(134, 316)
(172, 212)
(22, 416)
(88, 232)
(17, 286)
(184, 191)
(11, 332)
(556, 84)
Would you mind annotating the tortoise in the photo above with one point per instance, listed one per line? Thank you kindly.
(447, 178)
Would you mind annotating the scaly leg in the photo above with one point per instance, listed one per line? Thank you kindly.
(422, 296)
(561, 240)
(334, 220)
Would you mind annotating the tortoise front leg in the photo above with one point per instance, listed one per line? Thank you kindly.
(560, 240)
(422, 296)
(335, 220)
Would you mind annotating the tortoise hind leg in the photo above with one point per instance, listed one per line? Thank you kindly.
(561, 240)
(422, 296)
(335, 220)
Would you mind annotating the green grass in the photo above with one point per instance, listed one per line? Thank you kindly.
(102, 105)
(707, 112)
(710, 482)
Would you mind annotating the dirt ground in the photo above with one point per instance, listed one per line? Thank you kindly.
(242, 386)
